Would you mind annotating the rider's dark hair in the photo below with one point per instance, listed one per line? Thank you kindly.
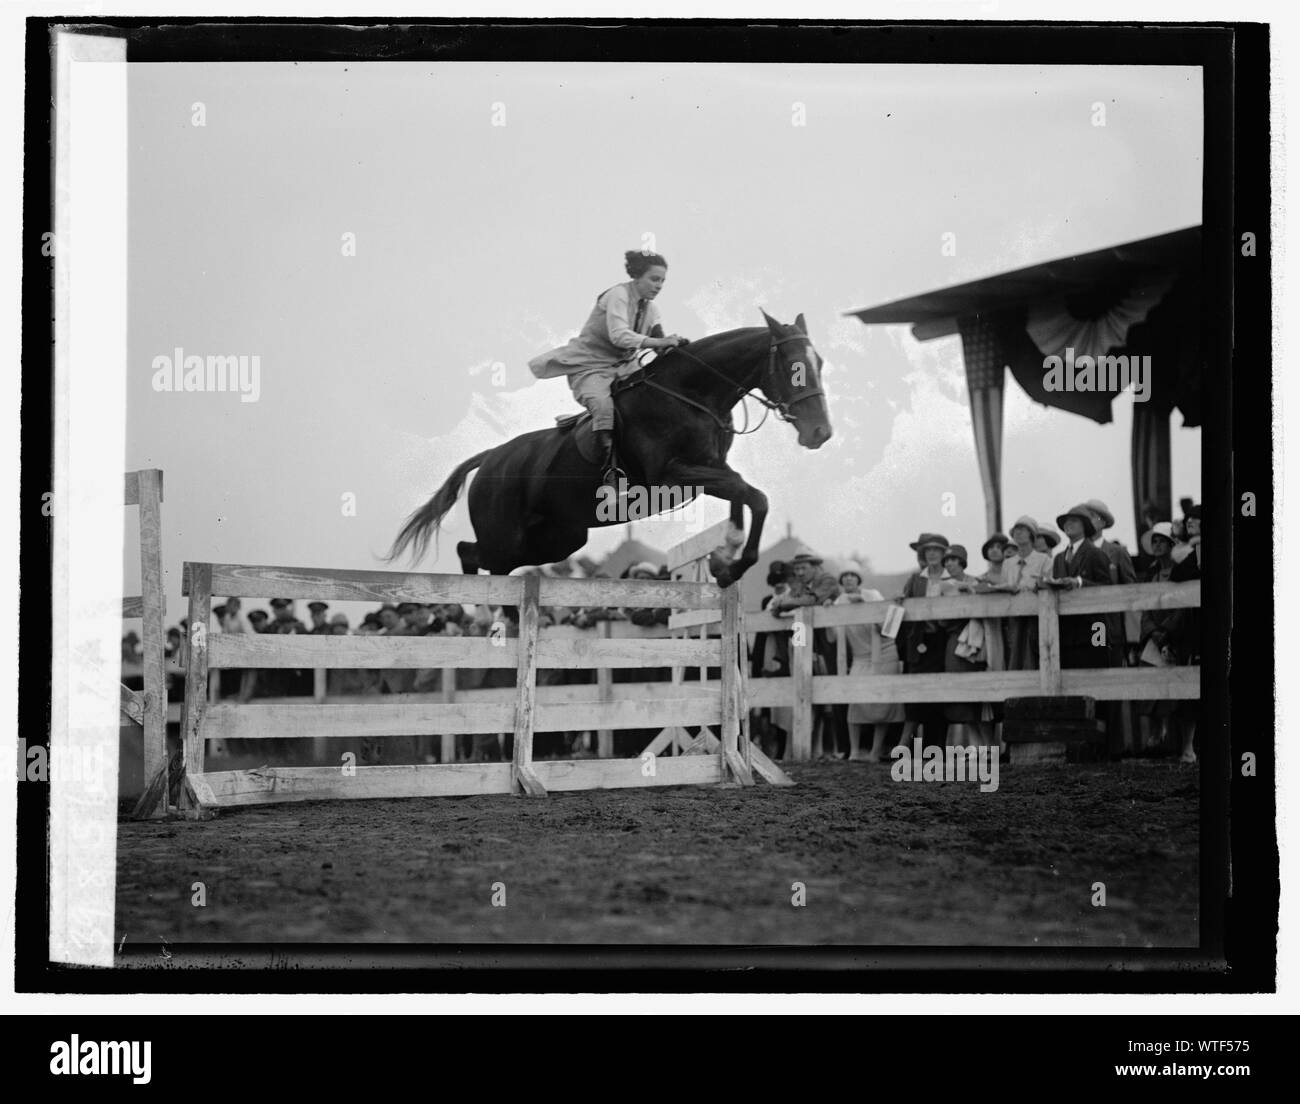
(636, 262)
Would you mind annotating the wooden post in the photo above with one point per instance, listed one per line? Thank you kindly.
(448, 749)
(1049, 642)
(704, 671)
(196, 672)
(604, 692)
(522, 772)
(801, 670)
(150, 490)
(729, 747)
(742, 688)
(320, 744)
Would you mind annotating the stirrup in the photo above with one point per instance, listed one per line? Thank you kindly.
(613, 477)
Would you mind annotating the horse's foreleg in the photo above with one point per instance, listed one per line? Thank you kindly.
(722, 482)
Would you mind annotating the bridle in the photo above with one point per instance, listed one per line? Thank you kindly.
(745, 389)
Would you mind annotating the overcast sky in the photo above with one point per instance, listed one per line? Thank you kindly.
(481, 245)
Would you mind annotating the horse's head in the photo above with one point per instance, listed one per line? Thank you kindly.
(793, 382)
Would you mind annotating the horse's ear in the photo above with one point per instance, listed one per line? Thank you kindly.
(772, 323)
(800, 325)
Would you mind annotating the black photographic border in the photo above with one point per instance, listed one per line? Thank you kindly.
(1239, 857)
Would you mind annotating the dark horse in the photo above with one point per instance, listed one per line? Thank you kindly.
(535, 497)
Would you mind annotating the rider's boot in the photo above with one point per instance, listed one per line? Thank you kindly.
(605, 445)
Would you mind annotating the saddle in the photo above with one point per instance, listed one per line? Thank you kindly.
(583, 438)
(580, 424)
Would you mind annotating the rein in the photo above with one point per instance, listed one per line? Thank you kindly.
(741, 391)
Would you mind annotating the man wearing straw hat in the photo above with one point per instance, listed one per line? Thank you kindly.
(811, 586)
(1122, 629)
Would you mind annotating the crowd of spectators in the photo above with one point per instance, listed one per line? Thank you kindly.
(1030, 557)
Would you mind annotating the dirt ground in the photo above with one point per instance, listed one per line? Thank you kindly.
(881, 862)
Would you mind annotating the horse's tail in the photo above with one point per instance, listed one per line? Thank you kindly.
(422, 524)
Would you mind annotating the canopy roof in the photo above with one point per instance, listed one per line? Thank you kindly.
(935, 313)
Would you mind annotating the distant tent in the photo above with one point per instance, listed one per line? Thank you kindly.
(754, 588)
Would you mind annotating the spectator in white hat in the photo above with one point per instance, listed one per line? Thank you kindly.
(1023, 571)
(872, 654)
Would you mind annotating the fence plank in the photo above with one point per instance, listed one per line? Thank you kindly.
(699, 546)
(252, 581)
(1127, 597)
(298, 650)
(873, 689)
(1134, 683)
(258, 787)
(559, 694)
(635, 593)
(376, 717)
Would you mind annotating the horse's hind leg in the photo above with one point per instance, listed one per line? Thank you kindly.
(468, 553)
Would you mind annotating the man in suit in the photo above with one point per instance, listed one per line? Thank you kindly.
(1124, 628)
(1081, 563)
(319, 623)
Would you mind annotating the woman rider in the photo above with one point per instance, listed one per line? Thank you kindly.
(624, 320)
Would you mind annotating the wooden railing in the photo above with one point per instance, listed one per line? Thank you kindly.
(802, 689)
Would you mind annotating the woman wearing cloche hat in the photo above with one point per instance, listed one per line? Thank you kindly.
(1023, 571)
(921, 643)
(872, 654)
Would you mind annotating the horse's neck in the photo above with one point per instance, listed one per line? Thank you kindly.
(736, 360)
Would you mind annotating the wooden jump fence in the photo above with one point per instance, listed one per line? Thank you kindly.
(522, 710)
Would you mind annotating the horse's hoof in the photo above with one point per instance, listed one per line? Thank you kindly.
(723, 578)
